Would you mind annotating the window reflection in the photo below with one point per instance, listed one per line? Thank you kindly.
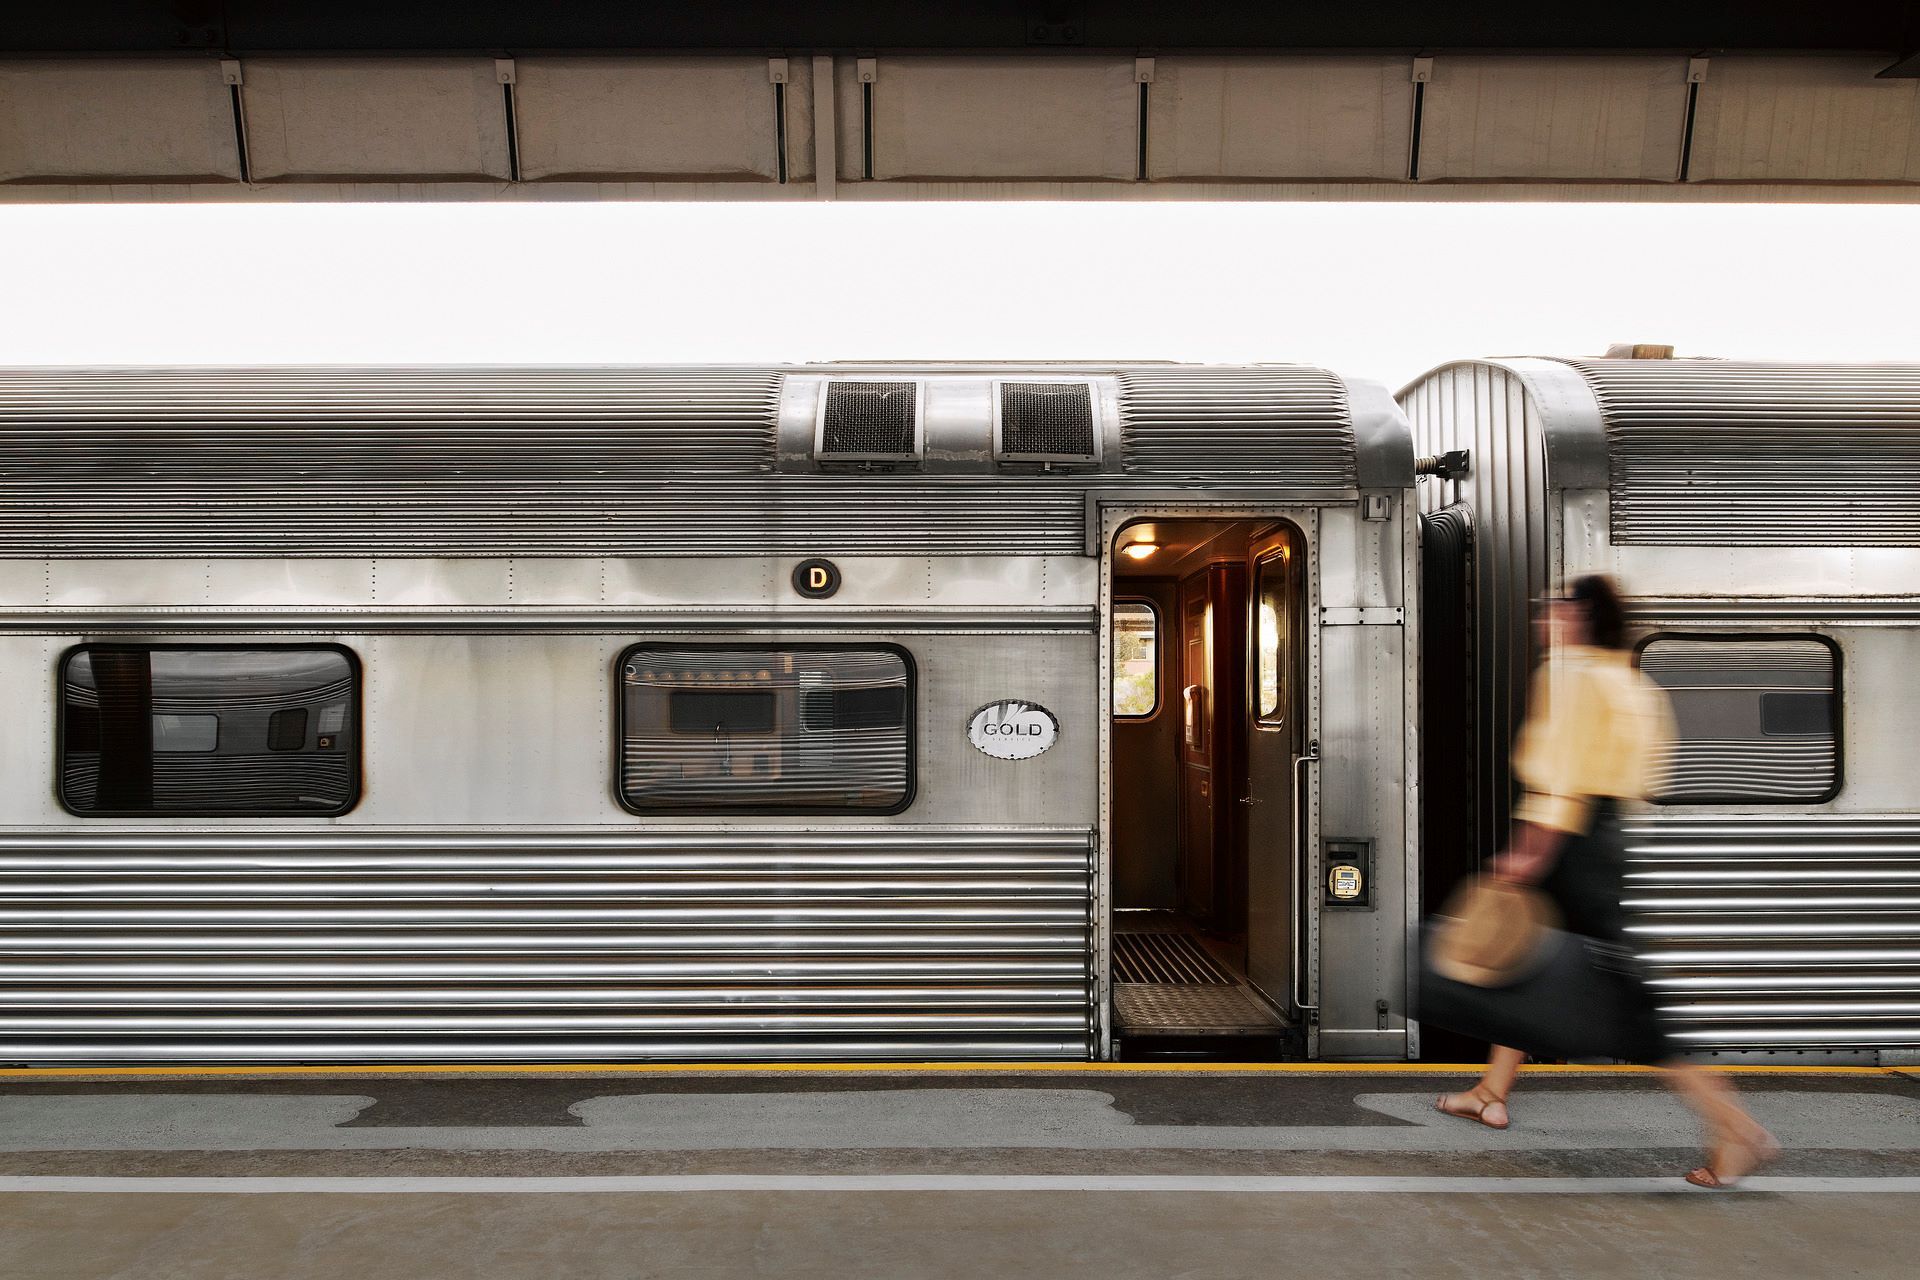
(213, 730)
(711, 729)
(1755, 719)
(186, 733)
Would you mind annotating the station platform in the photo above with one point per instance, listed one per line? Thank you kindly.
(1112, 1171)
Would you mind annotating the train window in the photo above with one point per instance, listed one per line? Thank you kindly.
(735, 728)
(1136, 659)
(1272, 613)
(1756, 718)
(213, 730)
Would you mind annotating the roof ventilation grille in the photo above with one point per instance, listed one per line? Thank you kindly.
(1047, 422)
(869, 422)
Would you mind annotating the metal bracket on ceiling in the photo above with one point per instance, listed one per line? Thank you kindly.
(233, 77)
(506, 75)
(1422, 74)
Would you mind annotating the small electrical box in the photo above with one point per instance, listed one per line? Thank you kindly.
(1349, 881)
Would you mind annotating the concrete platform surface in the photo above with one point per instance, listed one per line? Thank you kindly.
(908, 1174)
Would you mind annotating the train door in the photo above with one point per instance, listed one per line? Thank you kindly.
(1202, 749)
(1274, 763)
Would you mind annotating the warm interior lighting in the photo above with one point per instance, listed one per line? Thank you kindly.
(1139, 550)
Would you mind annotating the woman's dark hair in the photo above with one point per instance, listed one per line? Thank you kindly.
(1599, 599)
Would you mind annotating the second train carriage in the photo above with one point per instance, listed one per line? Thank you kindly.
(1765, 521)
(833, 712)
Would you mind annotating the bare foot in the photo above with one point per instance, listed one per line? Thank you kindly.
(1477, 1103)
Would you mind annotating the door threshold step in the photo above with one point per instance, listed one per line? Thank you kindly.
(1190, 1009)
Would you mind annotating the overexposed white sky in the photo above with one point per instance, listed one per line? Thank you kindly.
(1376, 290)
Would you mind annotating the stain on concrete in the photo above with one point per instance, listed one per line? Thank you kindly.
(496, 1104)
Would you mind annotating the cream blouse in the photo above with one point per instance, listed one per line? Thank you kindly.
(1595, 727)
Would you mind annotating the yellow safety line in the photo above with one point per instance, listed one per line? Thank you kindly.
(903, 1068)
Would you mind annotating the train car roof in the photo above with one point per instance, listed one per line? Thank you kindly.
(912, 457)
(1729, 452)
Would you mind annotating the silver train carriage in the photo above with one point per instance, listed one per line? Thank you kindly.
(1765, 521)
(915, 711)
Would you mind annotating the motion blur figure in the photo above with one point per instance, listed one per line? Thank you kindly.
(1595, 731)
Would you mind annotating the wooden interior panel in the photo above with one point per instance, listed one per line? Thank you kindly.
(1213, 699)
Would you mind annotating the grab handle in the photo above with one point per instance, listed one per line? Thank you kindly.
(1300, 763)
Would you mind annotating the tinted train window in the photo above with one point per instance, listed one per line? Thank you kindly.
(208, 730)
(725, 729)
(1756, 719)
(1136, 658)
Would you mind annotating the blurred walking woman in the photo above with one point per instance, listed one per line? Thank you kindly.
(1595, 732)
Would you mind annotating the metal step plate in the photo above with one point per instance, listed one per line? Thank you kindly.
(1165, 1008)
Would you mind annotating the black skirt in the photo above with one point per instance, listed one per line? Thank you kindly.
(1587, 997)
(1588, 883)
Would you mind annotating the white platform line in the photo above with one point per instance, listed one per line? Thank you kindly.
(679, 1184)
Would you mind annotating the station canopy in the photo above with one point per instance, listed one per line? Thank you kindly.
(149, 100)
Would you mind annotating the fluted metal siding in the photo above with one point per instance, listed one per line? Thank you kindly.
(403, 461)
(1724, 453)
(1486, 410)
(1782, 933)
(170, 946)
(1271, 423)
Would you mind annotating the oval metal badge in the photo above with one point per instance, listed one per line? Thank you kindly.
(1012, 730)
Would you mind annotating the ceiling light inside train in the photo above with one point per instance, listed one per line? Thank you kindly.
(1139, 550)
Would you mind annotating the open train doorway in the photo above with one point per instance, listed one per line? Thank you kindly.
(1207, 753)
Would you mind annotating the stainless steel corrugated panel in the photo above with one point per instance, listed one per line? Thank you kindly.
(351, 947)
(403, 461)
(1785, 933)
(478, 461)
(1009, 619)
(1722, 453)
(1683, 610)
(1486, 410)
(1277, 423)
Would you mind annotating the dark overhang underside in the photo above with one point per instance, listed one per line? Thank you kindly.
(244, 27)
